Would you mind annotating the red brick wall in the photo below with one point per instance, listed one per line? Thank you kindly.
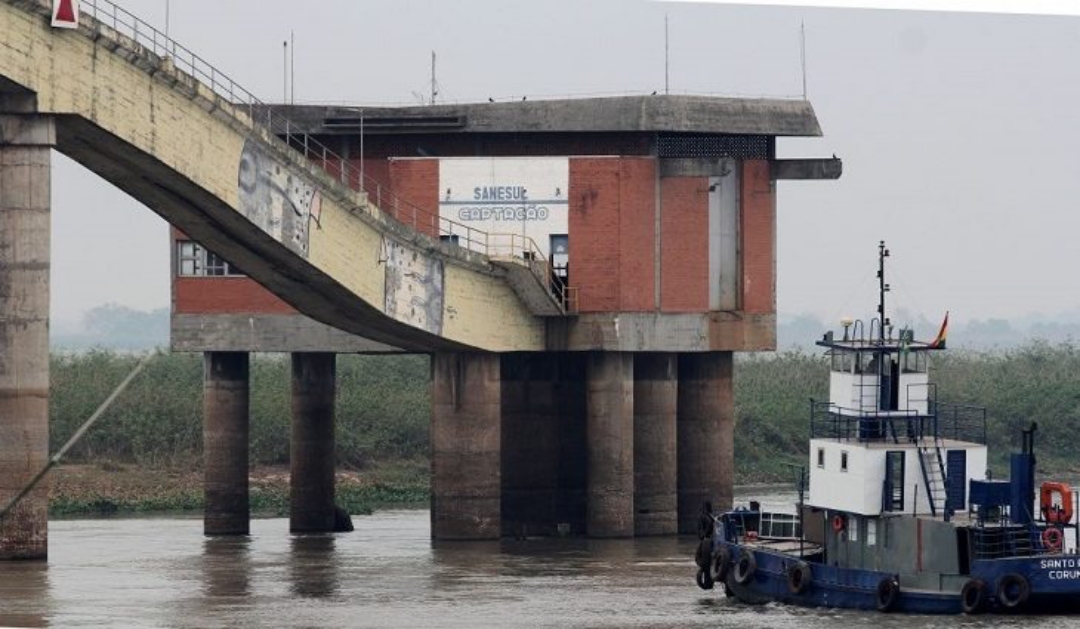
(224, 295)
(758, 214)
(684, 249)
(637, 229)
(415, 182)
(594, 232)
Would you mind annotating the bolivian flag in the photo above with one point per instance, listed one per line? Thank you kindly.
(939, 342)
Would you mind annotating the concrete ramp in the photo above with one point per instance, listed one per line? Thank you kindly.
(173, 132)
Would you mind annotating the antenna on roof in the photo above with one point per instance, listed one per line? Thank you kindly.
(292, 68)
(802, 54)
(434, 83)
(285, 72)
(666, 56)
(883, 288)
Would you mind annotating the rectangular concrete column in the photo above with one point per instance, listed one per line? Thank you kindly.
(311, 447)
(655, 403)
(706, 432)
(225, 443)
(465, 446)
(610, 444)
(25, 142)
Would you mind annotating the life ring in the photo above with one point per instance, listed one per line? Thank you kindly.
(745, 567)
(973, 597)
(1013, 591)
(888, 593)
(721, 564)
(838, 523)
(799, 577)
(1062, 512)
(1053, 539)
(704, 579)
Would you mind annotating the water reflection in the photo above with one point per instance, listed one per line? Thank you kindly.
(24, 594)
(226, 566)
(313, 568)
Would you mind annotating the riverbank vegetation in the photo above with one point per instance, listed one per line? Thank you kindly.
(145, 454)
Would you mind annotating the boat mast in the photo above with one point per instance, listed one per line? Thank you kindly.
(882, 289)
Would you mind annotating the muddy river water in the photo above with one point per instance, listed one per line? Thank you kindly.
(387, 573)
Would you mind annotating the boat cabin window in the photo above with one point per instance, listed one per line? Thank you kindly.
(871, 532)
(843, 461)
(843, 362)
(853, 528)
(821, 457)
(914, 362)
(867, 363)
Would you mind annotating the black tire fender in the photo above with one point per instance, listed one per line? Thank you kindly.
(888, 594)
(704, 579)
(799, 577)
(721, 564)
(703, 554)
(745, 567)
(973, 597)
(1013, 591)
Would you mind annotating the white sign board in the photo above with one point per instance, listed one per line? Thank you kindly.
(523, 196)
(65, 13)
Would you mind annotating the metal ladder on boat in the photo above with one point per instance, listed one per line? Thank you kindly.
(933, 473)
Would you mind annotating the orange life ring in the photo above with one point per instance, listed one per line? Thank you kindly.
(838, 523)
(1061, 513)
(1052, 538)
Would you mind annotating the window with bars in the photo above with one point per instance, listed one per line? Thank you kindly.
(193, 260)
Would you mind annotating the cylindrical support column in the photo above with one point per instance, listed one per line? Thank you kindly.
(311, 449)
(465, 446)
(706, 433)
(25, 142)
(655, 403)
(610, 444)
(225, 443)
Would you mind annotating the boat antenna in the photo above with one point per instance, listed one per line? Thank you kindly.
(882, 289)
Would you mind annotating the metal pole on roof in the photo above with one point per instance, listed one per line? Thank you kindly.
(166, 20)
(285, 72)
(666, 56)
(292, 68)
(802, 54)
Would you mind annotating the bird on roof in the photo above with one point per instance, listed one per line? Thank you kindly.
(524, 97)
(491, 100)
(654, 92)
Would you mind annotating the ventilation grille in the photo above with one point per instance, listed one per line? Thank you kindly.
(699, 145)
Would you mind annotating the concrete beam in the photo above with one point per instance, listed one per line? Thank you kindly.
(225, 443)
(265, 333)
(24, 330)
(465, 445)
(826, 168)
(311, 449)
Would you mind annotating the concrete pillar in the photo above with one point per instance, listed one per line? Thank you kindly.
(655, 397)
(25, 143)
(706, 425)
(610, 444)
(465, 446)
(225, 443)
(311, 449)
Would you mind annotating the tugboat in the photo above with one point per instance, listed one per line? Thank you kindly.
(902, 515)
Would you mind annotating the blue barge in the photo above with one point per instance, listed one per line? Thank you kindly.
(901, 513)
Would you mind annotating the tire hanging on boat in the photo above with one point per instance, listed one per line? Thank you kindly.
(1013, 591)
(721, 564)
(704, 579)
(888, 594)
(703, 554)
(799, 577)
(745, 567)
(973, 597)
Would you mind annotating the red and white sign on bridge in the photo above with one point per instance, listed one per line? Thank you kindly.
(65, 13)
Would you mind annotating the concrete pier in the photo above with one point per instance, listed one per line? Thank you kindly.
(610, 444)
(706, 425)
(655, 402)
(311, 449)
(25, 142)
(465, 446)
(225, 443)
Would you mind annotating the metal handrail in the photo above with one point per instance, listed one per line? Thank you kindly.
(107, 14)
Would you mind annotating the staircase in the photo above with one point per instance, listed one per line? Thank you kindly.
(933, 472)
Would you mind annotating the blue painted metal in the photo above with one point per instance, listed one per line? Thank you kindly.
(955, 473)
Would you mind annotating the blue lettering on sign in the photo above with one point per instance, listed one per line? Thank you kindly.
(500, 193)
(504, 213)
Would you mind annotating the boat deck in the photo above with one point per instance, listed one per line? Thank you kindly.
(784, 546)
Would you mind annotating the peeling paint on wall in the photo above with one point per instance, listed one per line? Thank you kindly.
(281, 202)
(414, 287)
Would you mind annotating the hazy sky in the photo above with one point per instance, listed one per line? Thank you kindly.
(958, 131)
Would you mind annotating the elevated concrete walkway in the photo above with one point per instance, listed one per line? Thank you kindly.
(167, 128)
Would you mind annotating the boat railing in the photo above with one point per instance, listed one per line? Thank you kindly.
(941, 421)
(998, 542)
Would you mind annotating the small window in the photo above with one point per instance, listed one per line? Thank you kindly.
(853, 528)
(871, 532)
(843, 461)
(193, 260)
(216, 265)
(453, 239)
(821, 457)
